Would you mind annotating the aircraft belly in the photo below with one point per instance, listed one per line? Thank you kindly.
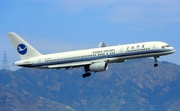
(117, 59)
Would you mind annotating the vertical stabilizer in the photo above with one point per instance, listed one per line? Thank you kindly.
(24, 49)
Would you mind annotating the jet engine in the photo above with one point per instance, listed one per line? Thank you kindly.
(96, 67)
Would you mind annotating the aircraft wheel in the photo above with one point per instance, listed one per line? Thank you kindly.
(155, 60)
(155, 65)
(86, 75)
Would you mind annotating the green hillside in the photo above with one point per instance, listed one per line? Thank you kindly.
(130, 86)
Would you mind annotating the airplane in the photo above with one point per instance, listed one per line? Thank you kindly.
(93, 60)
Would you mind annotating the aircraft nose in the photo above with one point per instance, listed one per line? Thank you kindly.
(172, 48)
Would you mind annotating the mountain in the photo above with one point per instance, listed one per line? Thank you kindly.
(134, 85)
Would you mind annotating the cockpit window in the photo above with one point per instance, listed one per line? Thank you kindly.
(164, 46)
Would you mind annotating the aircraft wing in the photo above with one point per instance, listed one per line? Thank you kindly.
(102, 44)
(76, 64)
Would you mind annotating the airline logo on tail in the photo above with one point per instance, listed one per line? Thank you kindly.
(22, 49)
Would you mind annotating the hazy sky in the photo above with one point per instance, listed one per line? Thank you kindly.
(64, 25)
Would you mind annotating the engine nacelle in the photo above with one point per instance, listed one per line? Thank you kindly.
(96, 67)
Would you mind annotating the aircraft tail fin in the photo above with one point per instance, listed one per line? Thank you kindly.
(24, 49)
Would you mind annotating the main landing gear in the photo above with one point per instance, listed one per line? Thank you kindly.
(87, 74)
(155, 62)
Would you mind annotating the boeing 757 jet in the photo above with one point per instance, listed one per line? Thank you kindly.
(93, 60)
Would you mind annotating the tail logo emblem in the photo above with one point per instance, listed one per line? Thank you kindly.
(22, 49)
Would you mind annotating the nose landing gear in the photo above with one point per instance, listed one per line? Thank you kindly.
(155, 61)
(155, 65)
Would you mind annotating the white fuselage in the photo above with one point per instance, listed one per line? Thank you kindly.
(93, 60)
(111, 54)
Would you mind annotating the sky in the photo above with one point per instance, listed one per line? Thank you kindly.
(64, 25)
